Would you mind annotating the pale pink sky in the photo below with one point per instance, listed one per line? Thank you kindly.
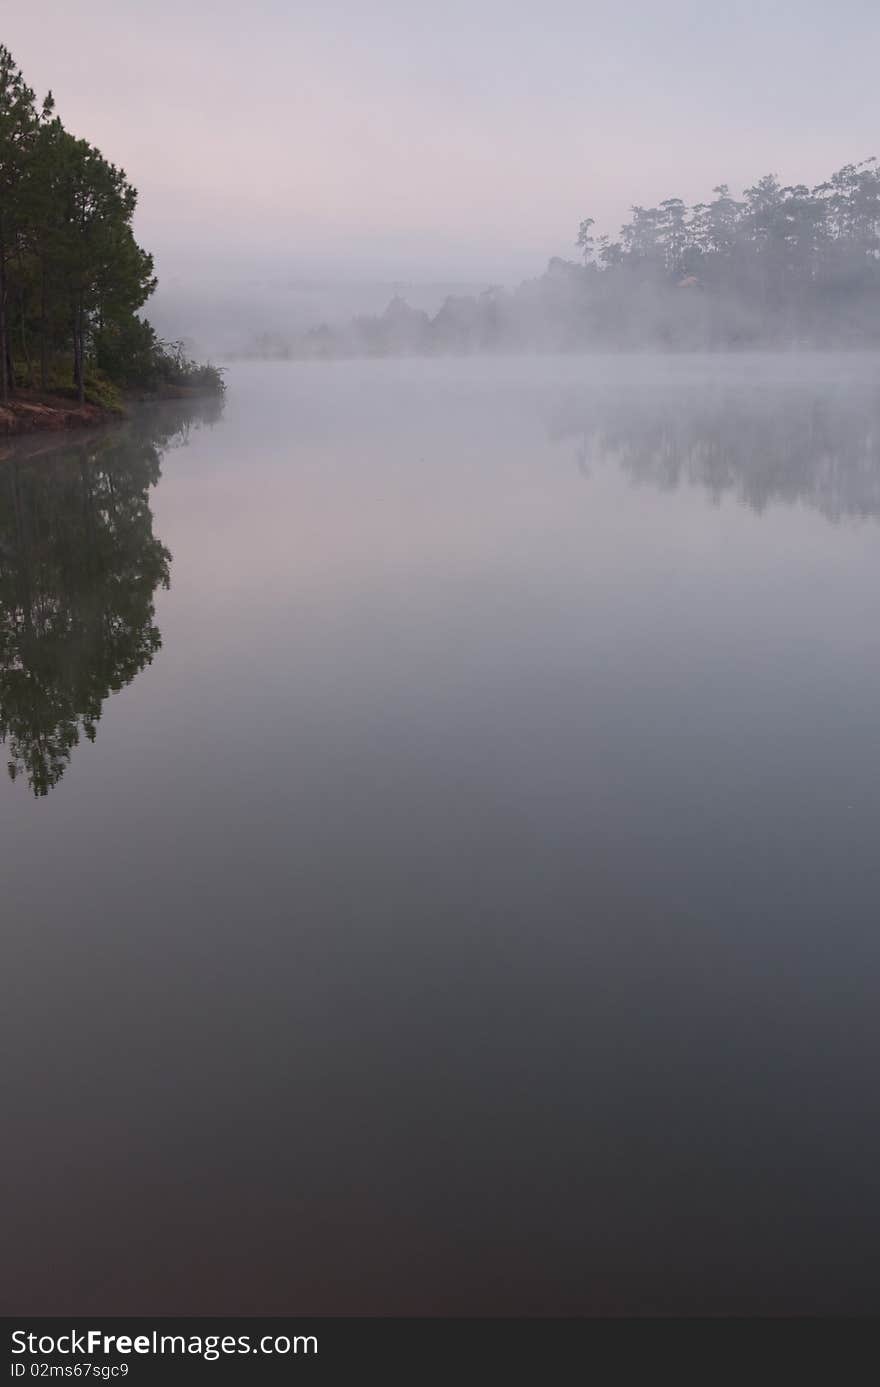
(459, 139)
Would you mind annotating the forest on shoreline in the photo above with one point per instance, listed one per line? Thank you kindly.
(781, 266)
(72, 276)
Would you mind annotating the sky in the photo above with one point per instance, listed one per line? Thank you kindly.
(465, 140)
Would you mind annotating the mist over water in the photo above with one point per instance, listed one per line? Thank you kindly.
(226, 315)
(439, 664)
(470, 907)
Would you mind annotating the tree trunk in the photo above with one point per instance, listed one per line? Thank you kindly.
(4, 374)
(81, 365)
(44, 334)
(26, 352)
(78, 374)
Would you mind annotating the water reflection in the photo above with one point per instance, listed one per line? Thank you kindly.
(819, 445)
(79, 567)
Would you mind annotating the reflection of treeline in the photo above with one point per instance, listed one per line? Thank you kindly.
(72, 276)
(79, 567)
(781, 264)
(819, 446)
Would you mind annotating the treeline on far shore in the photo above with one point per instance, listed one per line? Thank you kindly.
(780, 266)
(72, 276)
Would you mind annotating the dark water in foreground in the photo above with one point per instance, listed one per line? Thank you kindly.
(470, 899)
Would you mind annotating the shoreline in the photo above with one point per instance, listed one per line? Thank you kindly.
(28, 413)
(47, 414)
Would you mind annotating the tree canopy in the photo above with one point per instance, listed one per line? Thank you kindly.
(72, 275)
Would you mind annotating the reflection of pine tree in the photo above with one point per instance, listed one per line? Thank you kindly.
(79, 567)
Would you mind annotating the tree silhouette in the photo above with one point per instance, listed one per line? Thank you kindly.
(72, 275)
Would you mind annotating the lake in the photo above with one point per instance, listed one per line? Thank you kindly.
(440, 855)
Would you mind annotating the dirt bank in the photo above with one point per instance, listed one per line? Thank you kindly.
(47, 413)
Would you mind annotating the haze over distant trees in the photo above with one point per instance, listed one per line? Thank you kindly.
(72, 276)
(781, 265)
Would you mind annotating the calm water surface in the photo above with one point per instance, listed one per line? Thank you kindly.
(459, 890)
